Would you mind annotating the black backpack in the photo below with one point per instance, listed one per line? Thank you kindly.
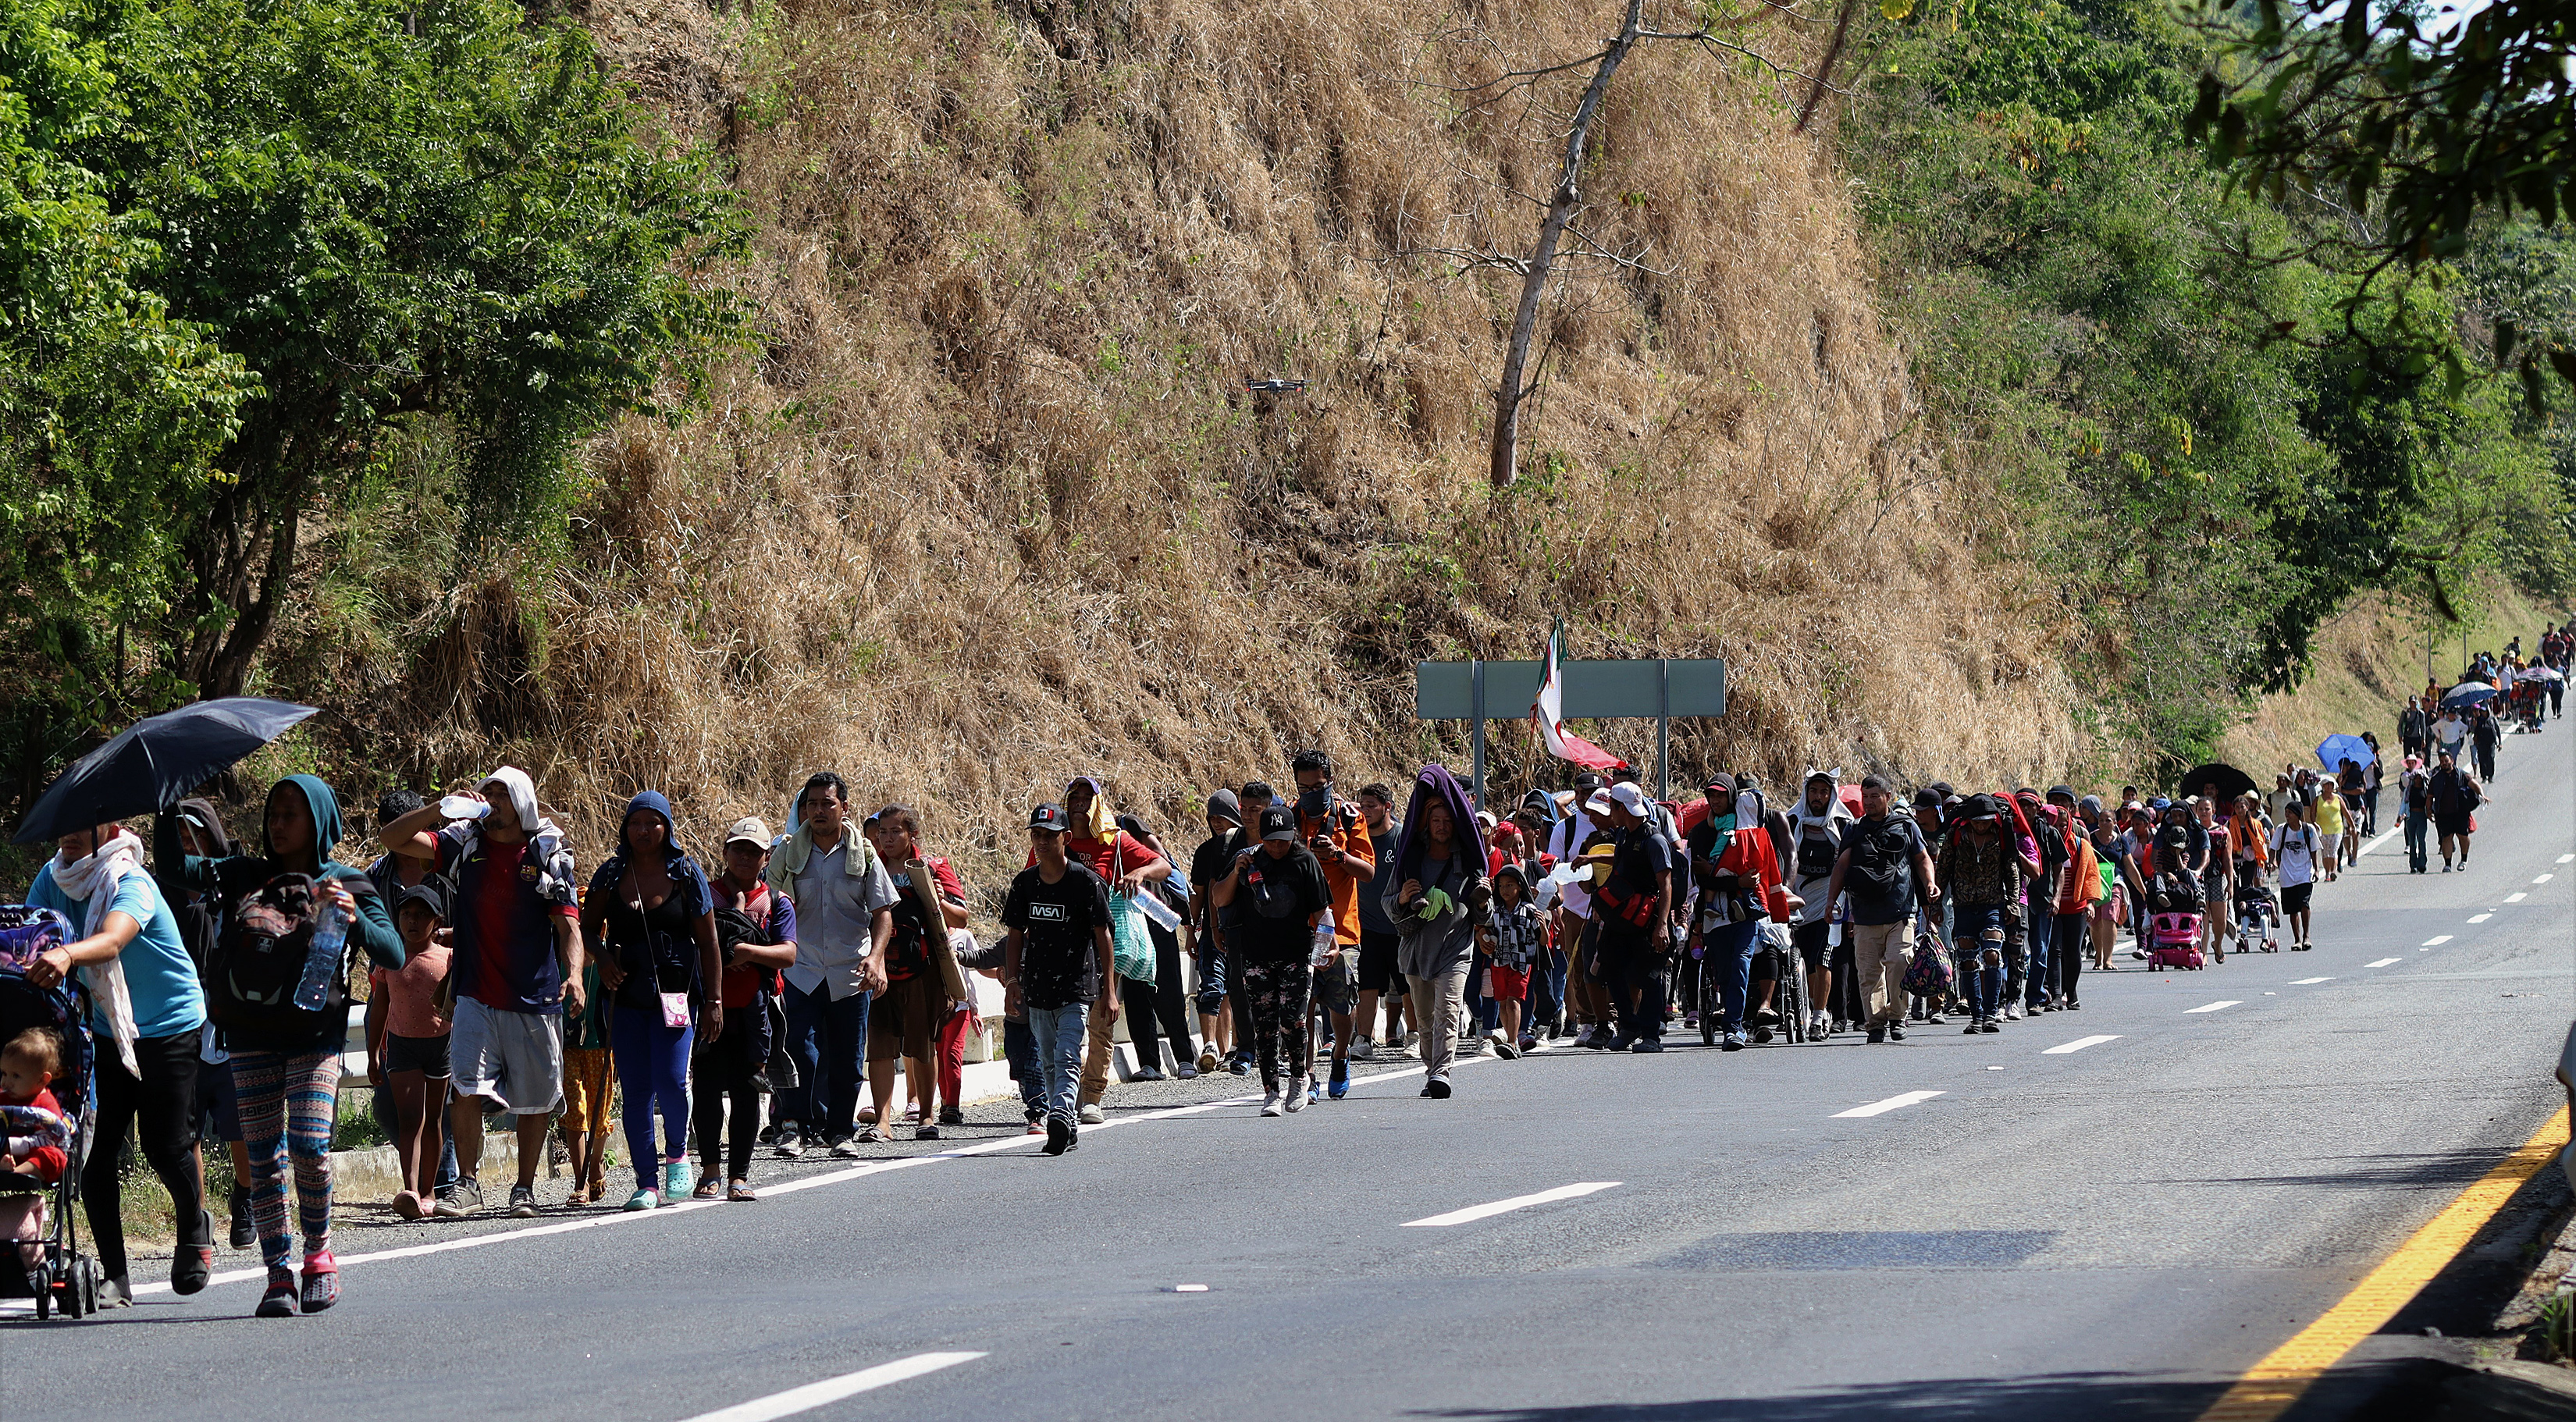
(1881, 859)
(256, 963)
(1274, 891)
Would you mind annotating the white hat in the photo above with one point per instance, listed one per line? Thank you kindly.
(1599, 804)
(1630, 798)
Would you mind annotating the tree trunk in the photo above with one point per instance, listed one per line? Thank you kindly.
(1566, 201)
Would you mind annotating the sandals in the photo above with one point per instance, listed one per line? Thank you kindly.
(740, 1193)
(707, 1189)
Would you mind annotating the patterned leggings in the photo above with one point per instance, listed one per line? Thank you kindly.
(1277, 994)
(287, 1102)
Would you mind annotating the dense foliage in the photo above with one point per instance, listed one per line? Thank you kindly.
(249, 238)
(2111, 338)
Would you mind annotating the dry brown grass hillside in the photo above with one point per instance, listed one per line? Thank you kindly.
(990, 506)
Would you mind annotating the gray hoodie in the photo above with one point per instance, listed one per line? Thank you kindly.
(1426, 948)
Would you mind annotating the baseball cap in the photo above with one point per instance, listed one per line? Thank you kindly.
(750, 829)
(1980, 806)
(1623, 771)
(2054, 791)
(1599, 804)
(1277, 823)
(431, 891)
(1221, 805)
(1630, 798)
(1586, 783)
(1927, 798)
(1050, 816)
(1720, 784)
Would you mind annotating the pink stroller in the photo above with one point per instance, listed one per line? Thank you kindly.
(2177, 941)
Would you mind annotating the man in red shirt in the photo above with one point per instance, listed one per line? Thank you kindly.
(912, 1016)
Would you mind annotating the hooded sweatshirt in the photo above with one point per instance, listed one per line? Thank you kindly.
(1426, 948)
(669, 951)
(507, 897)
(234, 877)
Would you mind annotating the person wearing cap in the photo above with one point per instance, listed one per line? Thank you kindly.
(1338, 836)
(844, 900)
(2412, 803)
(1632, 903)
(1587, 1006)
(1058, 965)
(756, 933)
(911, 1015)
(1279, 891)
(407, 1042)
(1204, 932)
(1128, 864)
(1983, 871)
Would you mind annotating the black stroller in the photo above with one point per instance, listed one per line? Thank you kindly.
(64, 1279)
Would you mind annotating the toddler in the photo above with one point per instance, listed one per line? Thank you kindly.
(32, 1137)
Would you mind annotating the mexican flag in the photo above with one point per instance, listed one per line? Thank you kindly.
(1547, 714)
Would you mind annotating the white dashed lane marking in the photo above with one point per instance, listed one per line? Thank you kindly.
(2480, 917)
(1517, 1202)
(2437, 940)
(831, 1390)
(2382, 963)
(2078, 1045)
(2517, 896)
(1893, 1103)
(2305, 982)
(2212, 1007)
(2540, 879)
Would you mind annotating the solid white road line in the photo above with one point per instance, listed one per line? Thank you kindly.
(2516, 897)
(2374, 844)
(1517, 1202)
(2305, 982)
(2079, 1044)
(1893, 1103)
(829, 1390)
(2437, 940)
(2382, 963)
(2480, 917)
(2212, 1007)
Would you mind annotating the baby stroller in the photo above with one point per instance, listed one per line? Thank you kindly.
(2175, 924)
(65, 1279)
(2257, 914)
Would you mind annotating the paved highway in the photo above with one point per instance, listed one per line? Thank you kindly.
(2109, 1213)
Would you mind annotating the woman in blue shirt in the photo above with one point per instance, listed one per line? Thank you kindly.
(146, 1012)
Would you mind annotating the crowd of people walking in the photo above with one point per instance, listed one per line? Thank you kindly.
(760, 997)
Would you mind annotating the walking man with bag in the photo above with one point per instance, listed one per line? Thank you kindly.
(1884, 867)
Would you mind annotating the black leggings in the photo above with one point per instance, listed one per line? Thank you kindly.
(166, 1100)
(724, 1070)
(2066, 953)
(1161, 1000)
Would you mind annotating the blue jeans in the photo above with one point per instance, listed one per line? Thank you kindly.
(2416, 850)
(1980, 982)
(1211, 994)
(1728, 954)
(1058, 1034)
(1020, 1049)
(653, 1078)
(829, 1040)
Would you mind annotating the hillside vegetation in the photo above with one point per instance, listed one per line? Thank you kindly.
(1943, 420)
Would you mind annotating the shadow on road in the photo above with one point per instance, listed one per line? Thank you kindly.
(2053, 1397)
(2453, 1168)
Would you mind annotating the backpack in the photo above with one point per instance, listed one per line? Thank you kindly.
(1881, 859)
(1274, 895)
(258, 960)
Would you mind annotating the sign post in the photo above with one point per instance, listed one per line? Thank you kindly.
(1657, 687)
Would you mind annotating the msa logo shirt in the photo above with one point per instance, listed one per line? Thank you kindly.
(1058, 925)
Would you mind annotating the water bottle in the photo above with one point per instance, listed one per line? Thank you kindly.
(1160, 912)
(1324, 939)
(463, 807)
(322, 959)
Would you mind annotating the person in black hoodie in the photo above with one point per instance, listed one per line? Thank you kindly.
(202, 833)
(286, 1075)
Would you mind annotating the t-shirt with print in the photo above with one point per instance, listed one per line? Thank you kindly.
(907, 953)
(2295, 850)
(1059, 959)
(506, 904)
(1373, 917)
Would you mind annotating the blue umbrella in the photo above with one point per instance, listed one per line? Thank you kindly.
(2334, 750)
(154, 763)
(2468, 693)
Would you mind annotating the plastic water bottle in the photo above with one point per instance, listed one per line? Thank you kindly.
(1324, 938)
(1159, 911)
(322, 959)
(463, 807)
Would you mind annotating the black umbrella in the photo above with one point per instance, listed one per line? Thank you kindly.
(2230, 781)
(155, 762)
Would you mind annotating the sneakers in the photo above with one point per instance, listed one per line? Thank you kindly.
(1990, 1025)
(1819, 1027)
(2012, 1012)
(192, 1265)
(1896, 1031)
(1503, 1046)
(1363, 1050)
(1341, 1086)
(1059, 1133)
(321, 1282)
(1300, 1091)
(115, 1293)
(643, 1199)
(278, 1300)
(1975, 1026)
(1185, 1072)
(951, 1116)
(1270, 1102)
(245, 1234)
(1207, 1058)
(523, 1201)
(849, 1149)
(1733, 1041)
(1877, 1032)
(1239, 1066)
(1090, 1114)
(790, 1144)
(1147, 1074)
(1647, 1044)
(462, 1198)
(1761, 1035)
(1037, 1124)
(1437, 1088)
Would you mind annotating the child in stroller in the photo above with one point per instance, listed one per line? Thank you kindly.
(45, 1119)
(2256, 914)
(2176, 900)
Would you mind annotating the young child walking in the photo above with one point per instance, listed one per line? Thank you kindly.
(1512, 935)
(407, 1032)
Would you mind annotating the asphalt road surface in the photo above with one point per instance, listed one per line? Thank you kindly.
(2108, 1213)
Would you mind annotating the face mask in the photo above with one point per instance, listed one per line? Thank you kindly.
(1313, 803)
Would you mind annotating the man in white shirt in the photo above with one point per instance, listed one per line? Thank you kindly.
(844, 913)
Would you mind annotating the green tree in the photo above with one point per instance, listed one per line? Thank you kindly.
(394, 211)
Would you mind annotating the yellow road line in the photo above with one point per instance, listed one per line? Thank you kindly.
(2268, 1389)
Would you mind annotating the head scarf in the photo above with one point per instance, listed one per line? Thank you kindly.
(1436, 783)
(1096, 823)
(92, 880)
(325, 809)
